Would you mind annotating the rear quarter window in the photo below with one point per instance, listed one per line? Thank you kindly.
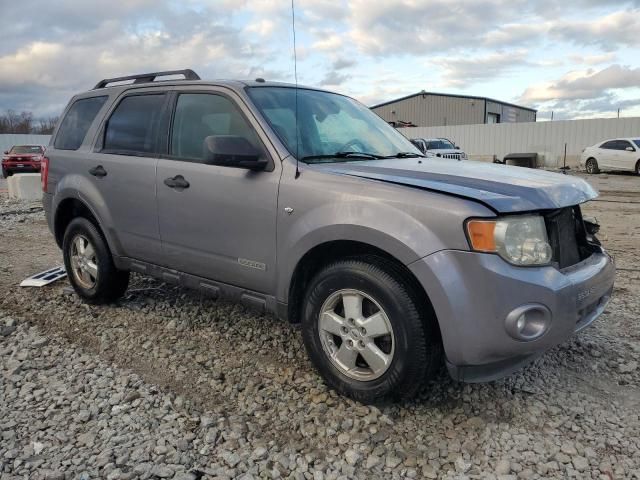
(76, 122)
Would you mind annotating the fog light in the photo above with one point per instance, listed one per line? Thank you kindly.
(528, 322)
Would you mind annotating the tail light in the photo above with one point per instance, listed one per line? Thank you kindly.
(44, 173)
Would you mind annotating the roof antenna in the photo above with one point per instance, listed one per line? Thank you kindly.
(295, 73)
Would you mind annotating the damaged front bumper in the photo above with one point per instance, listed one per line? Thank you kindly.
(475, 295)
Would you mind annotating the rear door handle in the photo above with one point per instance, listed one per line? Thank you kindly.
(177, 182)
(98, 171)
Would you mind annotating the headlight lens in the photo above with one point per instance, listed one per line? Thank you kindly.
(520, 240)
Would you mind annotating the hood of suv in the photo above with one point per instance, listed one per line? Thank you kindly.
(503, 188)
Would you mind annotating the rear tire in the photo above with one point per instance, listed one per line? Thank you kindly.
(371, 361)
(89, 264)
(591, 166)
(6, 173)
(638, 167)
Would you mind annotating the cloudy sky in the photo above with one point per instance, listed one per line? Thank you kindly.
(579, 58)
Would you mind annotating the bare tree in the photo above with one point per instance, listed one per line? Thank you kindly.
(24, 122)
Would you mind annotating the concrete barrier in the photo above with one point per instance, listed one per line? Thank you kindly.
(25, 186)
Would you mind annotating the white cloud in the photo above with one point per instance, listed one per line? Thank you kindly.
(462, 71)
(613, 30)
(330, 43)
(375, 50)
(585, 84)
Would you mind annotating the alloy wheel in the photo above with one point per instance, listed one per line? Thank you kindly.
(356, 334)
(84, 263)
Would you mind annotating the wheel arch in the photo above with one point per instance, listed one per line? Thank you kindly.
(328, 252)
(74, 207)
(67, 210)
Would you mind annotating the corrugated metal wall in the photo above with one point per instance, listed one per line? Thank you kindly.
(8, 140)
(509, 113)
(545, 138)
(435, 110)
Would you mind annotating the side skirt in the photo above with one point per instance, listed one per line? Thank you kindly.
(257, 301)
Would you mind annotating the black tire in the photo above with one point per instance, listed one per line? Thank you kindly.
(6, 173)
(591, 166)
(110, 283)
(638, 167)
(417, 353)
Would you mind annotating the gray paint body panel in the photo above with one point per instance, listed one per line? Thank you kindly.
(506, 189)
(472, 294)
(230, 235)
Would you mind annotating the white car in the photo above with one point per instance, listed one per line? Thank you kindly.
(439, 147)
(616, 154)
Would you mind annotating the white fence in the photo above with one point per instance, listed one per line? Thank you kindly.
(546, 138)
(8, 140)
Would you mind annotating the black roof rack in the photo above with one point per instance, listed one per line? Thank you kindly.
(148, 77)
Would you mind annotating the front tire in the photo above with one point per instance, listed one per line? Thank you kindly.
(591, 166)
(367, 332)
(6, 173)
(89, 264)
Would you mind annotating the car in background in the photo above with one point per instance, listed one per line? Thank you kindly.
(439, 147)
(22, 159)
(617, 154)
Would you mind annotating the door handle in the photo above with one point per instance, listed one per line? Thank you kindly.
(176, 182)
(98, 171)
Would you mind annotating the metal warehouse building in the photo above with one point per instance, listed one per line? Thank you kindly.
(426, 109)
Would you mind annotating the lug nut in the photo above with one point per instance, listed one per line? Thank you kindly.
(363, 331)
(361, 343)
(345, 330)
(350, 343)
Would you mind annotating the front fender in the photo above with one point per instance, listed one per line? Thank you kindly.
(406, 223)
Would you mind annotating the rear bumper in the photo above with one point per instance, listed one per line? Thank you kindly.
(473, 294)
(47, 203)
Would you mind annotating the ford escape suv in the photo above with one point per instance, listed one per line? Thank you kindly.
(303, 203)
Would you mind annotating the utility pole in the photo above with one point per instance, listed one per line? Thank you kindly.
(552, 115)
(618, 113)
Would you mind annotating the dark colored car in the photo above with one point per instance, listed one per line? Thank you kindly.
(22, 159)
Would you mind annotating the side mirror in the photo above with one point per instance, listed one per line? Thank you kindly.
(232, 151)
(6, 152)
(630, 149)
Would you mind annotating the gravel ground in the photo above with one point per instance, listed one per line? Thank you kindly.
(168, 384)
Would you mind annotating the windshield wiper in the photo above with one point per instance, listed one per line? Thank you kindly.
(406, 155)
(365, 155)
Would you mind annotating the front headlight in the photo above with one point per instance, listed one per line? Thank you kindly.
(520, 240)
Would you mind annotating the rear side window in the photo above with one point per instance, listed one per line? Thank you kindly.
(76, 123)
(623, 144)
(134, 125)
(610, 145)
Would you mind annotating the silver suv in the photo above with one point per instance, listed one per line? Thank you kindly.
(303, 203)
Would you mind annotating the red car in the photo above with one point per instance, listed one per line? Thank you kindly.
(22, 158)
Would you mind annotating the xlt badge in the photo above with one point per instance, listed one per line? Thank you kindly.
(252, 264)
